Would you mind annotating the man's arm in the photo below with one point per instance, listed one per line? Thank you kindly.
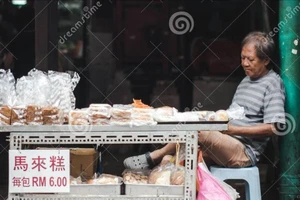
(251, 131)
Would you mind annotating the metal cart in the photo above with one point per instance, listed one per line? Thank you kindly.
(162, 133)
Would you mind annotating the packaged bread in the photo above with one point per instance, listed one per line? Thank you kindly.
(99, 110)
(161, 175)
(177, 176)
(48, 111)
(34, 115)
(135, 176)
(75, 181)
(201, 114)
(210, 116)
(105, 179)
(78, 114)
(121, 113)
(221, 115)
(52, 116)
(100, 121)
(79, 122)
(120, 122)
(165, 114)
(186, 117)
(79, 117)
(18, 115)
(142, 116)
(5, 115)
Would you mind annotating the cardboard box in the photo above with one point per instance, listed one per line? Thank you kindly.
(83, 162)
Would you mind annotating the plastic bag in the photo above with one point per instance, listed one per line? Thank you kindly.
(41, 88)
(75, 181)
(7, 88)
(142, 117)
(165, 114)
(62, 87)
(177, 176)
(210, 188)
(135, 176)
(105, 179)
(161, 175)
(236, 112)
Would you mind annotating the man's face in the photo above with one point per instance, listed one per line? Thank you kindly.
(254, 67)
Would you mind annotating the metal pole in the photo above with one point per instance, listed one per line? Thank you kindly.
(46, 35)
(289, 30)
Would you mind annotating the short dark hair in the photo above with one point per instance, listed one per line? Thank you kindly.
(263, 43)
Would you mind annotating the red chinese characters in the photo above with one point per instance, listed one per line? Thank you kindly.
(16, 181)
(25, 182)
(57, 163)
(38, 163)
(20, 163)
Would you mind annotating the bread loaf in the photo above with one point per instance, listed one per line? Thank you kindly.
(135, 178)
(52, 116)
(177, 177)
(5, 111)
(34, 115)
(5, 115)
(18, 115)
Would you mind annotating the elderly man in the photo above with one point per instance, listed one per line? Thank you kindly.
(262, 95)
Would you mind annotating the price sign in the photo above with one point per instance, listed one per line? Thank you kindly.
(39, 171)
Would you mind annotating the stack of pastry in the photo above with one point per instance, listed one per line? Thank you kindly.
(79, 117)
(131, 177)
(34, 115)
(120, 115)
(5, 115)
(105, 179)
(18, 115)
(165, 114)
(52, 116)
(142, 116)
(99, 114)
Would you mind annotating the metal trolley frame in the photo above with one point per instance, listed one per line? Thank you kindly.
(162, 133)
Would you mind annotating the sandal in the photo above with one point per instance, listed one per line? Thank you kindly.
(143, 161)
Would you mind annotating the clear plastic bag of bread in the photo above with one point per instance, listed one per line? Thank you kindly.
(41, 88)
(24, 87)
(7, 88)
(169, 172)
(75, 181)
(165, 114)
(220, 115)
(142, 116)
(7, 96)
(161, 174)
(105, 179)
(236, 112)
(62, 87)
(135, 176)
(79, 117)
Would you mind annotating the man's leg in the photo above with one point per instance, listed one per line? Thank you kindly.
(148, 160)
(223, 149)
(158, 154)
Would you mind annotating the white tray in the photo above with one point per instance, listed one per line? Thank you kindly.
(88, 189)
(154, 190)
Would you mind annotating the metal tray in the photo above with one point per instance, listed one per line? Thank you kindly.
(88, 189)
(154, 190)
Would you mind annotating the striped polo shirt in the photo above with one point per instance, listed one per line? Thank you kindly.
(263, 101)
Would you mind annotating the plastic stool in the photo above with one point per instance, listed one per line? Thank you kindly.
(249, 174)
